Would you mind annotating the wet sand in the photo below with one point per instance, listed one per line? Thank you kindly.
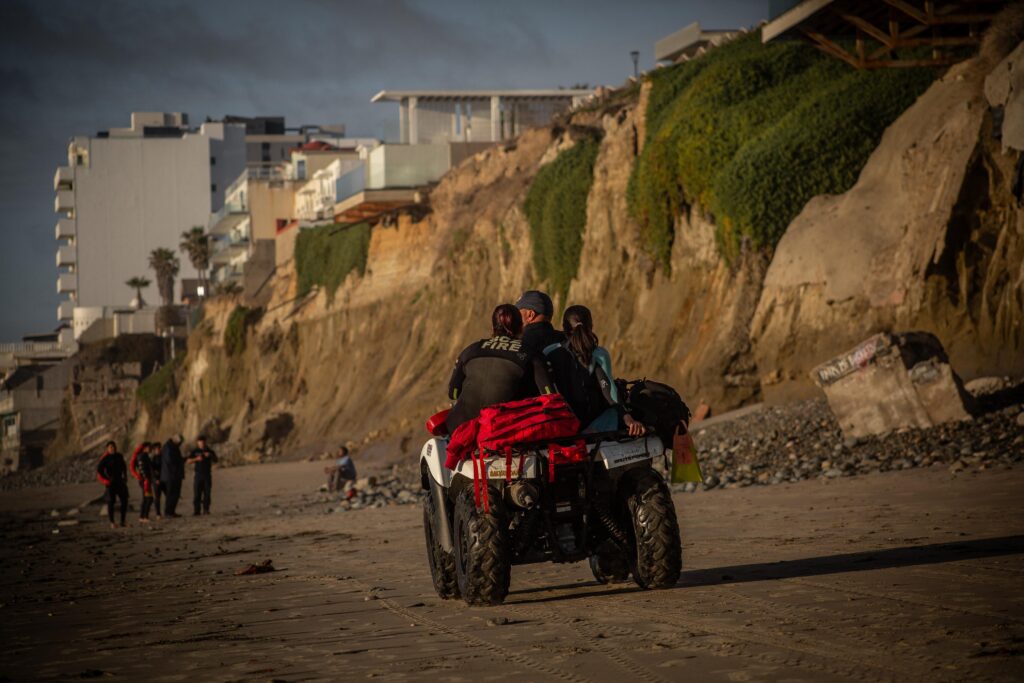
(913, 575)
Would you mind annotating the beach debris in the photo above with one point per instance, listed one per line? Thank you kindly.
(264, 567)
(891, 382)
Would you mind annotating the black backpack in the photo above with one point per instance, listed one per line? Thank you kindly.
(655, 404)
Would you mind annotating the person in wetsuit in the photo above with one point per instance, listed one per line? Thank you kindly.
(202, 479)
(113, 473)
(158, 487)
(141, 467)
(539, 334)
(495, 370)
(172, 473)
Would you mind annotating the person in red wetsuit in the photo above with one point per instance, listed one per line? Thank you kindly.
(113, 473)
(141, 467)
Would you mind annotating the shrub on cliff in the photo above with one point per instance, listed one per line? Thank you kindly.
(159, 388)
(750, 132)
(239, 322)
(325, 255)
(556, 208)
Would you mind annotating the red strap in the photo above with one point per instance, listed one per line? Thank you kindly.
(508, 464)
(551, 462)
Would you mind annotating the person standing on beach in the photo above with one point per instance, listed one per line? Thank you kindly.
(158, 486)
(113, 473)
(172, 473)
(202, 482)
(141, 467)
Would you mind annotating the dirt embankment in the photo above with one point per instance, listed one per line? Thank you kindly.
(929, 238)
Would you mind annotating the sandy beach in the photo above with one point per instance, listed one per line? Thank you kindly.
(913, 575)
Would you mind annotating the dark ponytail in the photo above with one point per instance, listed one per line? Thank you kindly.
(506, 321)
(578, 325)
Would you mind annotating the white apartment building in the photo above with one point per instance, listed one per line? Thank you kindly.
(127, 191)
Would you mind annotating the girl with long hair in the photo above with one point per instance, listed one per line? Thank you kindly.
(583, 374)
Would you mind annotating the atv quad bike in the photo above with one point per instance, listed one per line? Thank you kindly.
(612, 509)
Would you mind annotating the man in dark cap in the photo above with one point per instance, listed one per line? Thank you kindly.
(202, 482)
(538, 333)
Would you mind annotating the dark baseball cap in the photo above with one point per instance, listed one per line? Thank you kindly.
(536, 301)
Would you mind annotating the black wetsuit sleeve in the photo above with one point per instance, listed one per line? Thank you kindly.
(541, 377)
(458, 375)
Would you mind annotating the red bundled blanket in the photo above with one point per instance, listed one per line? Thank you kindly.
(501, 426)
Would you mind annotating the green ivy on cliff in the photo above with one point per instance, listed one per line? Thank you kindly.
(325, 255)
(556, 209)
(237, 327)
(159, 387)
(750, 132)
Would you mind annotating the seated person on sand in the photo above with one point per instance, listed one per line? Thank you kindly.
(342, 475)
(495, 370)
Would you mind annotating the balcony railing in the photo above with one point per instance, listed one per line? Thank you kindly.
(66, 283)
(66, 256)
(225, 248)
(65, 228)
(350, 183)
(64, 201)
(65, 310)
(63, 177)
(226, 217)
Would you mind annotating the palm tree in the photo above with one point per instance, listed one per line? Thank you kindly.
(196, 243)
(166, 266)
(138, 283)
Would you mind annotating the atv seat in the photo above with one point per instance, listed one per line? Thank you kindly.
(436, 423)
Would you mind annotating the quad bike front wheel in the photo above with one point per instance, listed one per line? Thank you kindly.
(482, 555)
(609, 564)
(442, 562)
(659, 553)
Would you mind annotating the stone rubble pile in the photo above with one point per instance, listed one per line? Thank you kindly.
(373, 492)
(803, 441)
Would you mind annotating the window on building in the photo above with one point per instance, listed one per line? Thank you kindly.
(213, 187)
(265, 151)
(300, 169)
(79, 160)
(213, 161)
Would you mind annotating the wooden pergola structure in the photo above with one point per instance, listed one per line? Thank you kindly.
(874, 34)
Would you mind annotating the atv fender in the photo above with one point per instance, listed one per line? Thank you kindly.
(432, 457)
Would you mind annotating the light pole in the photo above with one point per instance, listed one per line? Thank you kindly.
(635, 54)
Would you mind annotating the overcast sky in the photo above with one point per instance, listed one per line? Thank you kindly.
(72, 67)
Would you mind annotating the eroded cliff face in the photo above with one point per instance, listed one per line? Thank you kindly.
(930, 238)
(374, 362)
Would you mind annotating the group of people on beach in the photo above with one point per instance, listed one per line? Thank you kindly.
(160, 472)
(526, 356)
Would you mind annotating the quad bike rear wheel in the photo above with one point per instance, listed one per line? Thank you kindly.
(482, 554)
(659, 553)
(442, 562)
